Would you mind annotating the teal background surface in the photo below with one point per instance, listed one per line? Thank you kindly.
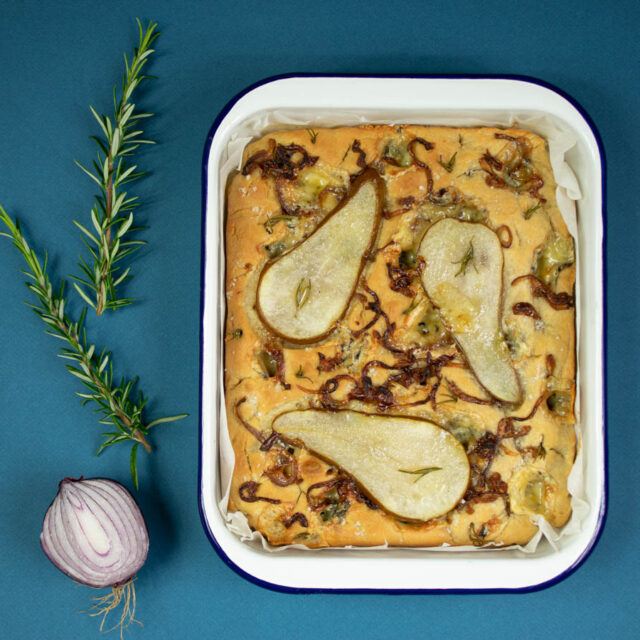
(56, 58)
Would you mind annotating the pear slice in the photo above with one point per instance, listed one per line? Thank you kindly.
(463, 278)
(307, 290)
(412, 468)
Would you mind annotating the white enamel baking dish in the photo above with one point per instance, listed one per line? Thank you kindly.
(418, 100)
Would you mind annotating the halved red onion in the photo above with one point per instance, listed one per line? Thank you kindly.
(94, 532)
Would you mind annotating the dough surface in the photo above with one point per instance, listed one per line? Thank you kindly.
(520, 455)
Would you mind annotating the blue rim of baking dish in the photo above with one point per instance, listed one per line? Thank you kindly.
(602, 515)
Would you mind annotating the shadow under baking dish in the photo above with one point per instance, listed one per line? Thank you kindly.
(419, 100)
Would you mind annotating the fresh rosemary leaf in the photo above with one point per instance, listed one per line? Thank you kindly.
(414, 303)
(313, 134)
(300, 374)
(449, 164)
(421, 473)
(450, 398)
(303, 292)
(112, 439)
(133, 463)
(94, 368)
(157, 421)
(466, 260)
(84, 296)
(112, 213)
(531, 210)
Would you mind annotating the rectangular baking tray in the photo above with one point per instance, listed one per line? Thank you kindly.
(415, 100)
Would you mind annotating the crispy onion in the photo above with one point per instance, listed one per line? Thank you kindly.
(484, 452)
(558, 301)
(279, 160)
(513, 168)
(525, 309)
(459, 393)
(284, 470)
(362, 156)
(247, 492)
(298, 517)
(400, 280)
(505, 236)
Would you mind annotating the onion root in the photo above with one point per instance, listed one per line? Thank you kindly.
(121, 595)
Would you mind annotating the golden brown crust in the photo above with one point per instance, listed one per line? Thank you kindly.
(529, 460)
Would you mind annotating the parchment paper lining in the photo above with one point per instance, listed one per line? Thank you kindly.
(567, 193)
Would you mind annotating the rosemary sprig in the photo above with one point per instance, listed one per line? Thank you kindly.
(449, 164)
(466, 259)
(313, 134)
(112, 213)
(93, 368)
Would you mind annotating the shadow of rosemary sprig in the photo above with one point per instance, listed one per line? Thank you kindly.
(112, 214)
(92, 367)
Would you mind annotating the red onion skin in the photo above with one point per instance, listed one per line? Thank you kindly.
(118, 509)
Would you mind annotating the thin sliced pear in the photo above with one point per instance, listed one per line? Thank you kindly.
(303, 294)
(412, 468)
(463, 278)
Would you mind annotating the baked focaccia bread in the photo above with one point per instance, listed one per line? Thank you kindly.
(400, 337)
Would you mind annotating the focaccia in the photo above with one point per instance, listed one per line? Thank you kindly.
(400, 337)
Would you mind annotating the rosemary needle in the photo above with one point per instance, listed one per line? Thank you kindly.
(93, 368)
(112, 214)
